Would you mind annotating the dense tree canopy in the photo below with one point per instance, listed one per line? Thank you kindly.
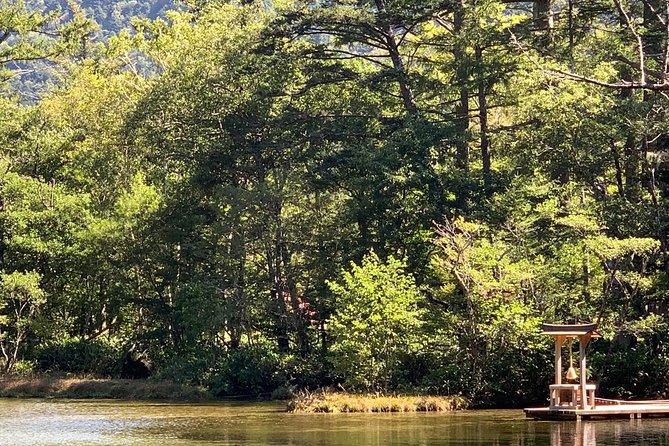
(380, 195)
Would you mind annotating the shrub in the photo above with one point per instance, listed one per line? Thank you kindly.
(24, 368)
(75, 355)
(377, 325)
(189, 367)
(248, 371)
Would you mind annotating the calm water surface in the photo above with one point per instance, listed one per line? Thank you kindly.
(39, 422)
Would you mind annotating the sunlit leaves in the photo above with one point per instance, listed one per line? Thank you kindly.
(20, 298)
(377, 322)
(610, 249)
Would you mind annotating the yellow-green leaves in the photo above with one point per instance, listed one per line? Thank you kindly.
(140, 201)
(378, 322)
(21, 288)
(20, 297)
(611, 249)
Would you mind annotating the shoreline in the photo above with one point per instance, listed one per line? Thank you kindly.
(100, 388)
(323, 401)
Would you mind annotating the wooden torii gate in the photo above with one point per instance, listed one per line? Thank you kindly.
(581, 395)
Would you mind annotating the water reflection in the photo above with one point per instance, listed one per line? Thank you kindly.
(104, 423)
(606, 433)
(573, 434)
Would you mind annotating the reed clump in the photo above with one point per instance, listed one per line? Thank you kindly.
(325, 401)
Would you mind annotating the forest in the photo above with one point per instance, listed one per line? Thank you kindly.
(368, 195)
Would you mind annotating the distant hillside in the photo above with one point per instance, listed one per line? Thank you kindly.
(113, 15)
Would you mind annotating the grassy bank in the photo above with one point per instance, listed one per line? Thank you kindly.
(336, 402)
(50, 387)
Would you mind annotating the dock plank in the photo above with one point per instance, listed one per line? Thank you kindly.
(600, 412)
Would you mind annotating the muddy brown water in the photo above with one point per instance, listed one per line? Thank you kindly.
(102, 423)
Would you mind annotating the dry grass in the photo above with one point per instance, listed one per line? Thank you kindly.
(336, 402)
(99, 388)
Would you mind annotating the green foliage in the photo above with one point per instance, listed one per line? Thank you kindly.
(488, 282)
(20, 299)
(377, 322)
(34, 40)
(24, 368)
(204, 188)
(186, 366)
(250, 371)
(77, 356)
(36, 34)
(609, 249)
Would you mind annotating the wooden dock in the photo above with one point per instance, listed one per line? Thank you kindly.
(577, 400)
(604, 412)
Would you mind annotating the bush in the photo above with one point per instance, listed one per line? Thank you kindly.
(248, 371)
(187, 366)
(24, 368)
(627, 373)
(312, 372)
(75, 355)
(377, 325)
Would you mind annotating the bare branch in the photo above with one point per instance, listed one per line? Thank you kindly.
(660, 86)
(637, 36)
(349, 55)
(623, 85)
(507, 128)
(665, 55)
(633, 64)
(656, 13)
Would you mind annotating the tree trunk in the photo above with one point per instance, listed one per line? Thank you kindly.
(461, 78)
(297, 315)
(276, 296)
(393, 50)
(543, 17)
(654, 32)
(3, 243)
(543, 22)
(483, 123)
(631, 162)
(619, 170)
(570, 25)
(237, 308)
(3, 349)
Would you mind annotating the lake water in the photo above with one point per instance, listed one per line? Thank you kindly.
(56, 422)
